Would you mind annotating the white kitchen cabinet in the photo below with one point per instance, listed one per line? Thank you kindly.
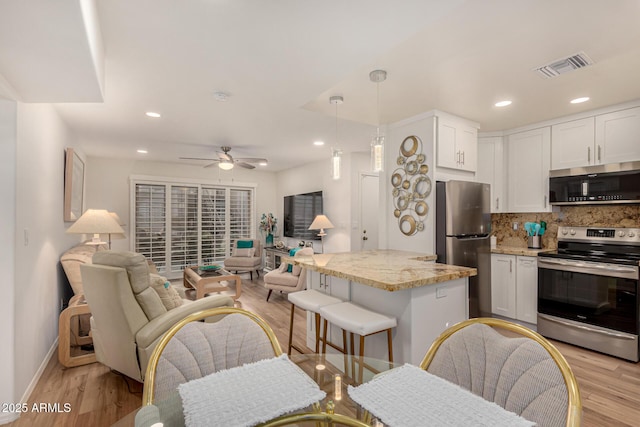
(457, 144)
(527, 289)
(503, 285)
(573, 144)
(528, 161)
(616, 136)
(514, 287)
(605, 138)
(491, 170)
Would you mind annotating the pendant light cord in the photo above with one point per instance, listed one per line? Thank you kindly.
(378, 108)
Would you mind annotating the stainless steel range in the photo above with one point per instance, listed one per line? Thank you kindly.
(588, 290)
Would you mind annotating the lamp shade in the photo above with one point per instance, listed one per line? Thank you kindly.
(96, 222)
(320, 222)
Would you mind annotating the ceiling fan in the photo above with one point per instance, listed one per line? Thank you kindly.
(226, 162)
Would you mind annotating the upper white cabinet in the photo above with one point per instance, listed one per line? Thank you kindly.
(528, 160)
(605, 138)
(491, 170)
(573, 144)
(617, 136)
(457, 144)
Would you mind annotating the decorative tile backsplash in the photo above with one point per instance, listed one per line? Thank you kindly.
(597, 216)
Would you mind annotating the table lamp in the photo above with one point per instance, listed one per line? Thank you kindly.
(96, 222)
(321, 222)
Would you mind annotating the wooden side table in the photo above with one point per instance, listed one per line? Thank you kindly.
(209, 281)
(77, 306)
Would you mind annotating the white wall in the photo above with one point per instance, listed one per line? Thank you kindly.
(337, 198)
(422, 241)
(41, 141)
(108, 185)
(7, 253)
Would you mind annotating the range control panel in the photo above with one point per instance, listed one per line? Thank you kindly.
(596, 234)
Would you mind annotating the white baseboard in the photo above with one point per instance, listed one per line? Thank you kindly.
(6, 418)
(9, 417)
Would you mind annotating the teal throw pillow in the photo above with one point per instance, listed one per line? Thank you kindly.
(244, 244)
(292, 252)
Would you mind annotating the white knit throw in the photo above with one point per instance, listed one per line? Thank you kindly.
(248, 394)
(409, 396)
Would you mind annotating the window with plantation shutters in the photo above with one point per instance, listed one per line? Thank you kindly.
(178, 225)
(214, 225)
(184, 227)
(150, 223)
(240, 218)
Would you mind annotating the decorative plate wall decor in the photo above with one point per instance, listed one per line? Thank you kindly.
(411, 187)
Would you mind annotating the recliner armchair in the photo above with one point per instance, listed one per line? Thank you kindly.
(128, 316)
(288, 281)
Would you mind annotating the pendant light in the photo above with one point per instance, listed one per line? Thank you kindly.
(336, 153)
(377, 143)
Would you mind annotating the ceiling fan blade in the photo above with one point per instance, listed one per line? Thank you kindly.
(251, 160)
(197, 158)
(245, 165)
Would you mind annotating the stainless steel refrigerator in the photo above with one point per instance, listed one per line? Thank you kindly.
(463, 225)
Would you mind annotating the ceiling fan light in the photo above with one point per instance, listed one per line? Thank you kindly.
(225, 166)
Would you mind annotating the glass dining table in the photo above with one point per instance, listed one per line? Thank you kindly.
(333, 373)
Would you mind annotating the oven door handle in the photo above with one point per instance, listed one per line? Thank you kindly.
(622, 271)
(586, 328)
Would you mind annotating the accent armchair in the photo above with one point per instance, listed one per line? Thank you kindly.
(246, 257)
(287, 281)
(128, 314)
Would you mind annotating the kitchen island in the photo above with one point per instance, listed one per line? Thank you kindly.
(424, 296)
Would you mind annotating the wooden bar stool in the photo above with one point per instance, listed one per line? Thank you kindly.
(361, 321)
(312, 301)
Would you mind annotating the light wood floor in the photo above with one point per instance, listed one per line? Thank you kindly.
(610, 387)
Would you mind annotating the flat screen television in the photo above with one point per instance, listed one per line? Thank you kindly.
(299, 212)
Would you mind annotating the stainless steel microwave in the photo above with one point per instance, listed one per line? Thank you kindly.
(604, 184)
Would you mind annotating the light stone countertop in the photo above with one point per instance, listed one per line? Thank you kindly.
(390, 270)
(518, 250)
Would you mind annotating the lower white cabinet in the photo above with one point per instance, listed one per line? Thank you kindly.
(514, 287)
(527, 289)
(503, 285)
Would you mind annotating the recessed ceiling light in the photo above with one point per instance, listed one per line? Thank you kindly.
(152, 114)
(221, 96)
(318, 143)
(502, 103)
(142, 151)
(580, 100)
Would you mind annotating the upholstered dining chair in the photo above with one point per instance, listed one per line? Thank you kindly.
(192, 350)
(285, 279)
(524, 374)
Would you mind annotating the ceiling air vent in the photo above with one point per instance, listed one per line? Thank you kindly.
(564, 65)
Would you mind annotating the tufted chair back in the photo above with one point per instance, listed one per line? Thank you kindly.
(525, 375)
